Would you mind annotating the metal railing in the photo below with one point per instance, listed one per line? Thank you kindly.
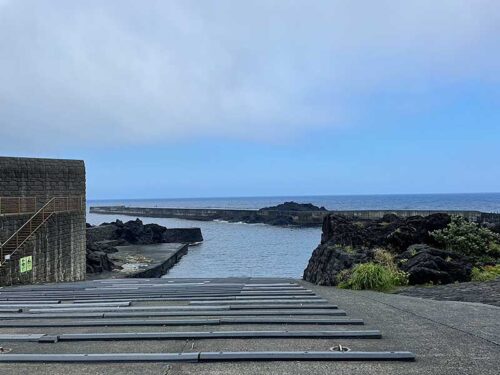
(19, 205)
(52, 206)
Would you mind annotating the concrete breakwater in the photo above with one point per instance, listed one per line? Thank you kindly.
(161, 257)
(162, 267)
(278, 217)
(302, 218)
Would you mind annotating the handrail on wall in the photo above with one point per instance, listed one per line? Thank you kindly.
(27, 205)
(53, 206)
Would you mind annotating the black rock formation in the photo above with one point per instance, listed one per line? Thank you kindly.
(329, 259)
(102, 239)
(98, 261)
(392, 232)
(294, 206)
(426, 264)
(346, 242)
(415, 230)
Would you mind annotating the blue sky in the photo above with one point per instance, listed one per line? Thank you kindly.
(200, 99)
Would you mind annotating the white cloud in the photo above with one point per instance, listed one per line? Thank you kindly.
(129, 71)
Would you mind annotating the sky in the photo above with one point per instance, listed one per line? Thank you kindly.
(167, 99)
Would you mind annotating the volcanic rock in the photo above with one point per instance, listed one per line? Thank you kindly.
(294, 206)
(426, 264)
(346, 242)
(330, 260)
(98, 261)
(102, 239)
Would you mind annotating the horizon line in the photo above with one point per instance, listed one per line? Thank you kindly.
(289, 196)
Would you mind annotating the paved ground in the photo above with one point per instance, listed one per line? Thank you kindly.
(447, 337)
(481, 292)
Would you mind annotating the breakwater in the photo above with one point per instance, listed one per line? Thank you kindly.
(161, 267)
(278, 217)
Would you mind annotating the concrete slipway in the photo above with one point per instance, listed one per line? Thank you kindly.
(197, 316)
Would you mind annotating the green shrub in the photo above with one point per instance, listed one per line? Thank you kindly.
(386, 259)
(486, 273)
(374, 276)
(468, 238)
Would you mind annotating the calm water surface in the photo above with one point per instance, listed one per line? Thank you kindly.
(232, 249)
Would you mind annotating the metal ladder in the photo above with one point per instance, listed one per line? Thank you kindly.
(29, 228)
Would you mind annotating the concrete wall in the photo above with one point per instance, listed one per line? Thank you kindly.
(162, 268)
(304, 218)
(58, 247)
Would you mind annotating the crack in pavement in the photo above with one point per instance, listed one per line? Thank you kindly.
(431, 320)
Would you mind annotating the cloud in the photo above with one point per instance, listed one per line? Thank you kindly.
(127, 71)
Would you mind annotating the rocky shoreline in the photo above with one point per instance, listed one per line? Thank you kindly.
(407, 243)
(107, 238)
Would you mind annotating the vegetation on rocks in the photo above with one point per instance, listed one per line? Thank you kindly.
(374, 276)
(382, 274)
(391, 251)
(468, 238)
(486, 273)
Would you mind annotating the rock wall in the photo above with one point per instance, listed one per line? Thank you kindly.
(135, 232)
(183, 235)
(58, 247)
(346, 242)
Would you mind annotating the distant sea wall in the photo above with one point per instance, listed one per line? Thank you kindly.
(276, 217)
(302, 218)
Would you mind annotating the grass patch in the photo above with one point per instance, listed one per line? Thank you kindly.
(486, 273)
(372, 276)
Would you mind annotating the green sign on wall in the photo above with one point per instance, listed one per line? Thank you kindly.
(26, 264)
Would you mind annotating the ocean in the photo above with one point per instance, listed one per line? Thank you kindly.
(237, 249)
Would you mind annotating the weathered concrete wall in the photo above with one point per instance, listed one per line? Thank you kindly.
(162, 268)
(303, 218)
(41, 178)
(58, 247)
